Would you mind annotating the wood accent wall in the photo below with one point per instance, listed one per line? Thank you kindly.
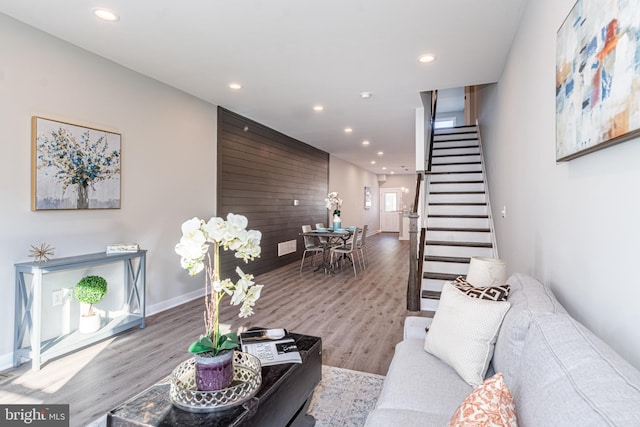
(260, 173)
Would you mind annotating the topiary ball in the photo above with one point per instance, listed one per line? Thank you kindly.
(91, 289)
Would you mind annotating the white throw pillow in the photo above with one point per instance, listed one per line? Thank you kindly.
(464, 332)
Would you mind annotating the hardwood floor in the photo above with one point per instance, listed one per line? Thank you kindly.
(359, 319)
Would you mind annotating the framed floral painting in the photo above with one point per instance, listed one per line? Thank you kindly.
(597, 77)
(73, 167)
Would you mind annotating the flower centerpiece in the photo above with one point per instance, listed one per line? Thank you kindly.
(214, 350)
(334, 202)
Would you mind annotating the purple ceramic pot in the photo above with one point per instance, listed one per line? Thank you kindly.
(214, 372)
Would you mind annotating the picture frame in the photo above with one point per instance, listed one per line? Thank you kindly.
(367, 197)
(74, 166)
(597, 77)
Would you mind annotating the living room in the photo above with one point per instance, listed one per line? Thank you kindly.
(572, 225)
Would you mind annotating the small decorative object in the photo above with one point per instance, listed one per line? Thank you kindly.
(197, 237)
(119, 248)
(41, 253)
(74, 167)
(90, 290)
(597, 77)
(334, 202)
(247, 377)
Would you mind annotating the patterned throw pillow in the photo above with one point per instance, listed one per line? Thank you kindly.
(492, 293)
(489, 405)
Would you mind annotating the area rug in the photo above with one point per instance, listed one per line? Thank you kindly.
(343, 398)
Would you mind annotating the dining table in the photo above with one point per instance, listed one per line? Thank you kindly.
(328, 239)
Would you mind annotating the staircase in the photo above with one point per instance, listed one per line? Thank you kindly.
(458, 222)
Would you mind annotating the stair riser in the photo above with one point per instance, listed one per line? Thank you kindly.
(455, 159)
(456, 151)
(456, 168)
(429, 305)
(459, 129)
(438, 145)
(457, 198)
(456, 177)
(458, 222)
(437, 137)
(446, 267)
(459, 236)
(457, 210)
(432, 284)
(456, 187)
(458, 251)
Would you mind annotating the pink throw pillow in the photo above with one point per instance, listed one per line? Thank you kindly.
(489, 405)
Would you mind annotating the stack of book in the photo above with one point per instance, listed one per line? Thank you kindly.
(119, 248)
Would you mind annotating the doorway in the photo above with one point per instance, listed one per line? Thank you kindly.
(390, 201)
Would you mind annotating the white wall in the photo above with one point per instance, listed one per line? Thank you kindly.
(168, 162)
(573, 225)
(349, 181)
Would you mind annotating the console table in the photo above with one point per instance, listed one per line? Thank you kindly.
(282, 400)
(28, 305)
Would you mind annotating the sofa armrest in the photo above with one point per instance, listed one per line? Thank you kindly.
(414, 327)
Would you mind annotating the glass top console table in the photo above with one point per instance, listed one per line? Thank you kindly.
(29, 297)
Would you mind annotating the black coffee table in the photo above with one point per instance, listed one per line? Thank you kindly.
(282, 400)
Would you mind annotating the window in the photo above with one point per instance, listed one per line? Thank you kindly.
(390, 202)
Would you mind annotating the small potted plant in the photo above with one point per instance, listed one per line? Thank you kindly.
(213, 350)
(90, 290)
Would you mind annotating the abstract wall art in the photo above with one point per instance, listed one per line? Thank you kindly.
(597, 77)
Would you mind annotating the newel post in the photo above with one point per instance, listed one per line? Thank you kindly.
(413, 289)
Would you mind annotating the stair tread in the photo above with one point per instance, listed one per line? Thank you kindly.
(459, 260)
(440, 276)
(457, 182)
(456, 192)
(451, 172)
(458, 216)
(463, 244)
(454, 147)
(454, 139)
(466, 230)
(457, 163)
(457, 204)
(455, 155)
(431, 294)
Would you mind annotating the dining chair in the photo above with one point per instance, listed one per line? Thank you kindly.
(361, 244)
(323, 240)
(309, 246)
(349, 250)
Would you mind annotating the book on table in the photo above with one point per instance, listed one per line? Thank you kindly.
(271, 346)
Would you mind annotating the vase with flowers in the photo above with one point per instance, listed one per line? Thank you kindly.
(334, 202)
(214, 350)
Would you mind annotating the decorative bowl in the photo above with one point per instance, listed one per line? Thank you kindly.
(321, 229)
(247, 378)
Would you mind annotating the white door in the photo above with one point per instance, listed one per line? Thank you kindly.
(390, 200)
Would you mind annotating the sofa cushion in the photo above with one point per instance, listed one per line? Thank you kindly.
(464, 331)
(528, 298)
(492, 293)
(419, 381)
(569, 377)
(489, 404)
(404, 418)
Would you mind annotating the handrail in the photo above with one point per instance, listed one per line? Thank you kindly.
(434, 106)
(416, 199)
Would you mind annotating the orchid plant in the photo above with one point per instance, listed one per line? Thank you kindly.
(198, 237)
(334, 202)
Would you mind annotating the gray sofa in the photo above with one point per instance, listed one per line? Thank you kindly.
(559, 373)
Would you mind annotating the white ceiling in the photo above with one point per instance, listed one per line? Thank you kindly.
(290, 55)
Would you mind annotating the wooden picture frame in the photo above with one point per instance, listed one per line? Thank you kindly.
(73, 166)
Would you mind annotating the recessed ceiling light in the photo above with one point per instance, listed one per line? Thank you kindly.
(384, 168)
(348, 130)
(365, 95)
(235, 86)
(106, 15)
(365, 143)
(427, 58)
(380, 153)
(318, 107)
(392, 172)
(373, 162)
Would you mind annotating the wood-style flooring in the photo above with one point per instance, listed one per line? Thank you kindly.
(359, 319)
